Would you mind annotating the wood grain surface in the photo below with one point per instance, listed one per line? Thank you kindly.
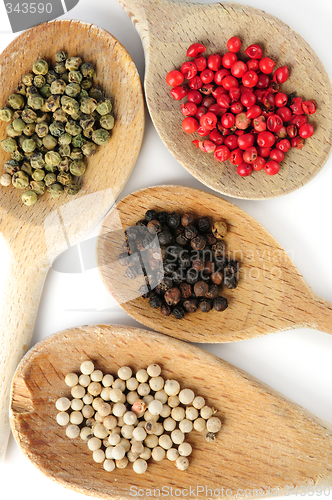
(265, 442)
(169, 27)
(271, 296)
(36, 235)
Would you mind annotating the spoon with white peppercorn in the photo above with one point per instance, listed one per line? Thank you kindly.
(35, 235)
(255, 420)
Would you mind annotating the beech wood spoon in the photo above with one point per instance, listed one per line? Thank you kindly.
(266, 441)
(36, 235)
(169, 27)
(271, 295)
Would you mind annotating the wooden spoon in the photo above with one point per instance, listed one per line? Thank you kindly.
(271, 296)
(169, 27)
(266, 441)
(36, 235)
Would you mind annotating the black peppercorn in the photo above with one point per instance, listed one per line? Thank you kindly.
(209, 267)
(198, 264)
(164, 285)
(204, 224)
(172, 296)
(211, 436)
(123, 259)
(217, 277)
(173, 220)
(151, 215)
(185, 290)
(165, 310)
(230, 282)
(154, 226)
(141, 223)
(150, 241)
(205, 305)
(212, 292)
(210, 239)
(155, 301)
(201, 288)
(187, 219)
(162, 217)
(220, 303)
(131, 233)
(219, 250)
(184, 260)
(181, 239)
(190, 232)
(165, 237)
(144, 291)
(192, 276)
(139, 244)
(178, 312)
(198, 243)
(190, 305)
(177, 276)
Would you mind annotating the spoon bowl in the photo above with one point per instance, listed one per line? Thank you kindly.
(36, 235)
(265, 442)
(169, 27)
(271, 295)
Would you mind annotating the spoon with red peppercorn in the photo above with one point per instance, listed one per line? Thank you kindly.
(168, 28)
(270, 295)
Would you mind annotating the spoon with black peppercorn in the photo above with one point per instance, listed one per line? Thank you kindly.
(271, 295)
(266, 443)
(167, 29)
(36, 235)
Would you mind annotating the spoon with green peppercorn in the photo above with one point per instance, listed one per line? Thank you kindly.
(266, 443)
(270, 295)
(35, 235)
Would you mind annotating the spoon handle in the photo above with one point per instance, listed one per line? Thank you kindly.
(18, 310)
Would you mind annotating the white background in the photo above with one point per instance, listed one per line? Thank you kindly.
(296, 363)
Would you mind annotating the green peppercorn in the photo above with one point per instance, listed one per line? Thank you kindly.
(29, 129)
(51, 76)
(11, 132)
(45, 91)
(73, 188)
(69, 105)
(28, 79)
(49, 179)
(52, 158)
(17, 155)
(32, 90)
(60, 116)
(11, 167)
(55, 190)
(89, 148)
(16, 101)
(107, 122)
(52, 103)
(57, 129)
(64, 77)
(29, 115)
(20, 140)
(28, 155)
(77, 168)
(58, 87)
(40, 67)
(77, 141)
(104, 107)
(29, 198)
(6, 114)
(73, 63)
(43, 117)
(88, 105)
(76, 115)
(73, 128)
(76, 154)
(88, 133)
(100, 136)
(96, 94)
(38, 174)
(86, 84)
(39, 81)
(38, 186)
(36, 101)
(60, 68)
(60, 56)
(41, 129)
(9, 145)
(65, 178)
(64, 150)
(51, 168)
(20, 180)
(73, 89)
(65, 139)
(87, 70)
(87, 121)
(26, 167)
(49, 141)
(75, 77)
(64, 165)
(82, 94)
(28, 145)
(21, 89)
(37, 160)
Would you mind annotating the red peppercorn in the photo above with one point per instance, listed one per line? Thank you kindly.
(282, 132)
(245, 141)
(190, 125)
(208, 121)
(216, 109)
(244, 169)
(254, 51)
(195, 83)
(222, 153)
(277, 155)
(223, 130)
(234, 93)
(265, 139)
(266, 65)
(207, 146)
(201, 63)
(218, 91)
(250, 79)
(274, 122)
(234, 44)
(229, 82)
(248, 99)
(306, 130)
(250, 155)
(196, 50)
(189, 108)
(208, 100)
(238, 69)
(224, 101)
(296, 106)
(281, 75)
(309, 107)
(237, 107)
(285, 113)
(292, 131)
(259, 123)
(216, 137)
(271, 167)
(297, 142)
(253, 111)
(259, 164)
(207, 75)
(229, 59)
(214, 62)
(231, 142)
(220, 75)
(203, 132)
(253, 64)
(242, 121)
(236, 156)
(298, 120)
(269, 100)
(174, 78)
(189, 69)
(284, 145)
(263, 81)
(201, 110)
(207, 88)
(280, 99)
(194, 96)
(264, 152)
(179, 92)
(228, 120)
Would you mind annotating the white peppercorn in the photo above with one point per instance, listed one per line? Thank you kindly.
(139, 434)
(87, 399)
(104, 409)
(147, 399)
(109, 452)
(125, 443)
(173, 401)
(191, 413)
(127, 431)
(62, 418)
(185, 449)
(84, 380)
(156, 383)
(72, 431)
(76, 404)
(105, 393)
(172, 387)
(149, 417)
(161, 396)
(153, 370)
(97, 376)
(151, 441)
(137, 448)
(94, 443)
(98, 456)
(114, 439)
(120, 422)
(178, 413)
(177, 436)
(186, 426)
(165, 441)
(119, 409)
(119, 384)
(158, 453)
(100, 431)
(159, 430)
(71, 379)
(142, 376)
(166, 411)
(206, 412)
(107, 380)
(122, 464)
(76, 418)
(131, 456)
(94, 388)
(198, 402)
(155, 407)
(124, 373)
(96, 403)
(140, 466)
(186, 396)
(109, 465)
(130, 418)
(132, 384)
(62, 404)
(143, 389)
(213, 424)
(151, 427)
(110, 422)
(169, 424)
(182, 463)
(115, 395)
(132, 397)
(77, 392)
(146, 453)
(118, 452)
(98, 417)
(200, 424)
(172, 454)
(85, 434)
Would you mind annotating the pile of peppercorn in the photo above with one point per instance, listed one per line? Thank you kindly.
(55, 118)
(184, 262)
